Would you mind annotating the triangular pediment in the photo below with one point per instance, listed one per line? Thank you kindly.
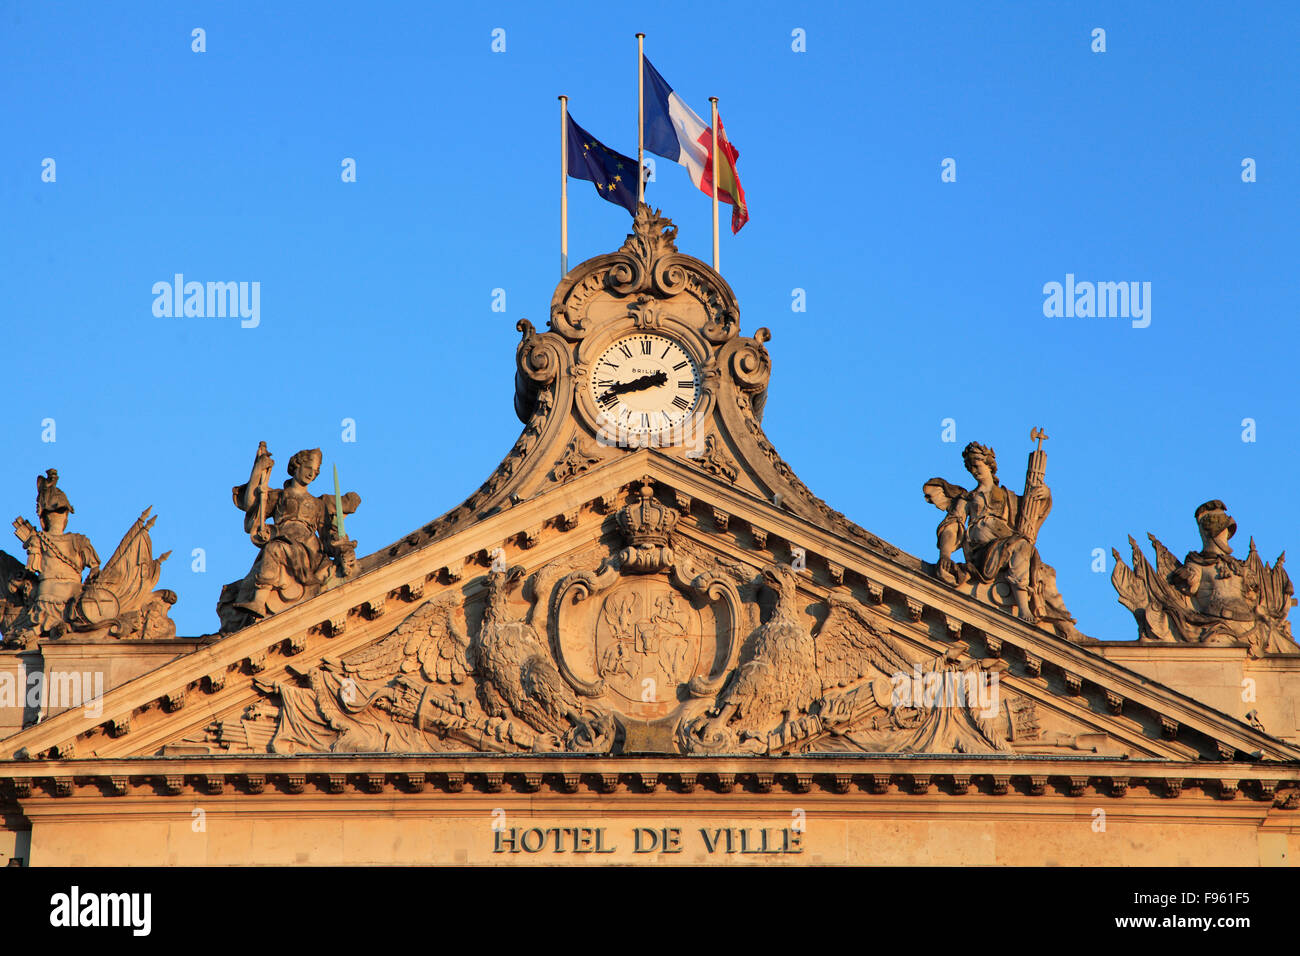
(630, 580)
(359, 666)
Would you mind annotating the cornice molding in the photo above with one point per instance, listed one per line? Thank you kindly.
(860, 776)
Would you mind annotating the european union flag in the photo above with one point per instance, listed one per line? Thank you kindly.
(613, 173)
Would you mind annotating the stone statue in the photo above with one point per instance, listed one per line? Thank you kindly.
(300, 537)
(997, 530)
(1211, 597)
(48, 597)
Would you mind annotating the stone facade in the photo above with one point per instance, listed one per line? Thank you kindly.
(643, 638)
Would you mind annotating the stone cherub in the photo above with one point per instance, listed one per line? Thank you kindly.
(301, 542)
(47, 597)
(951, 533)
(996, 530)
(1211, 597)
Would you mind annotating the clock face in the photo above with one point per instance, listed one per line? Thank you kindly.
(645, 383)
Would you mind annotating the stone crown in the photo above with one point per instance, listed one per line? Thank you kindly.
(646, 521)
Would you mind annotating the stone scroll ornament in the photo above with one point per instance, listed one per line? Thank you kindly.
(302, 547)
(997, 531)
(646, 265)
(47, 597)
(1211, 597)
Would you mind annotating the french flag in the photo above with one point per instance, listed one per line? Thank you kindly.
(675, 132)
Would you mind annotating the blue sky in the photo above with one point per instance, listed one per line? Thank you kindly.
(924, 298)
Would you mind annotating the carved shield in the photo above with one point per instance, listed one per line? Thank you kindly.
(638, 646)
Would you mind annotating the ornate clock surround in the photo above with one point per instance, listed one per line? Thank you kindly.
(646, 287)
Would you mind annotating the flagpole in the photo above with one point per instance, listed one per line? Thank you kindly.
(564, 186)
(640, 118)
(714, 162)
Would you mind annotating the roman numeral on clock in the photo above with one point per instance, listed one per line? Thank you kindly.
(680, 402)
(645, 346)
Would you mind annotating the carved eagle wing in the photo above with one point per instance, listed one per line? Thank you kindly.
(850, 646)
(443, 650)
(429, 640)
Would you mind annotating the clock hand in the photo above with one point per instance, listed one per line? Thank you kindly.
(645, 381)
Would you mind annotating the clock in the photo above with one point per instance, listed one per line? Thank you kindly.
(645, 384)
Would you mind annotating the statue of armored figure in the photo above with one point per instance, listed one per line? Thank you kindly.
(996, 530)
(1210, 597)
(47, 596)
(302, 545)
